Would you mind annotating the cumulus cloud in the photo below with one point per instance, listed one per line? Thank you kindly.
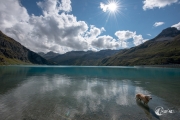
(54, 6)
(176, 26)
(10, 17)
(150, 4)
(105, 42)
(56, 30)
(98, 42)
(156, 24)
(111, 6)
(138, 39)
(124, 36)
(94, 31)
(50, 31)
(103, 7)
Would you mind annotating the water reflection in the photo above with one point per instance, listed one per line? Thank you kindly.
(51, 97)
(42, 94)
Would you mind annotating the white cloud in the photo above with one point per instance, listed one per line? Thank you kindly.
(156, 24)
(176, 26)
(149, 34)
(94, 31)
(56, 30)
(103, 7)
(65, 5)
(150, 4)
(54, 6)
(124, 36)
(105, 42)
(50, 31)
(111, 6)
(10, 17)
(138, 39)
(103, 29)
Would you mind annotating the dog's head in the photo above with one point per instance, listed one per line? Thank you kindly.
(148, 97)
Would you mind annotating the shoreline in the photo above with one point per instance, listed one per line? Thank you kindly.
(163, 66)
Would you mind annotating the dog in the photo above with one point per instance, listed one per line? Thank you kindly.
(144, 98)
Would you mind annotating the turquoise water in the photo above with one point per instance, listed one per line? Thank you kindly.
(87, 93)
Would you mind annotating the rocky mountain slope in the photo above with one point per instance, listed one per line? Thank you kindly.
(12, 52)
(163, 49)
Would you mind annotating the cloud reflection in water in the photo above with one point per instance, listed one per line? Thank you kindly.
(51, 97)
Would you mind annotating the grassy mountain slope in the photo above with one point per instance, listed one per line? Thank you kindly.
(164, 49)
(12, 52)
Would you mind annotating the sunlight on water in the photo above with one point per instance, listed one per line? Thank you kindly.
(75, 93)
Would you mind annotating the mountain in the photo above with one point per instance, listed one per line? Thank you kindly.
(168, 32)
(82, 57)
(48, 55)
(41, 54)
(12, 52)
(163, 49)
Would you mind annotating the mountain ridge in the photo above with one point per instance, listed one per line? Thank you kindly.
(82, 57)
(161, 50)
(48, 55)
(152, 52)
(12, 52)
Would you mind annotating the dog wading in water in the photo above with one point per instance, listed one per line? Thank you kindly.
(144, 98)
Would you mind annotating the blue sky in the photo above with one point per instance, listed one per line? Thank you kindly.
(66, 25)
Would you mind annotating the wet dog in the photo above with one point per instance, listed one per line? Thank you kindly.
(144, 98)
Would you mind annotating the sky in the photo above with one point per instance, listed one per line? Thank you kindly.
(81, 25)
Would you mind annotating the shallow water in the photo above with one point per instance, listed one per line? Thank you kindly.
(92, 93)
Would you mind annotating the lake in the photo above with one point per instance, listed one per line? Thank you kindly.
(88, 93)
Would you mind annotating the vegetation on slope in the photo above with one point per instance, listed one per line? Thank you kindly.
(12, 52)
(164, 49)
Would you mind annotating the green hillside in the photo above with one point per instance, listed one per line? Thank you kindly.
(12, 52)
(164, 49)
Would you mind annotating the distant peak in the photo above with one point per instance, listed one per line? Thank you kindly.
(50, 52)
(169, 32)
